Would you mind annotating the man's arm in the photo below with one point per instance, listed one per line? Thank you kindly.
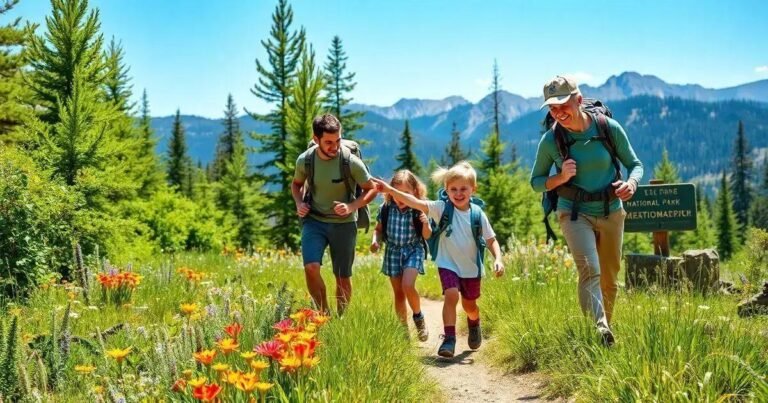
(297, 191)
(368, 196)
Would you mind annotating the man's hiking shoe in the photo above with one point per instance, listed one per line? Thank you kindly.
(448, 347)
(475, 337)
(606, 337)
(421, 328)
(757, 305)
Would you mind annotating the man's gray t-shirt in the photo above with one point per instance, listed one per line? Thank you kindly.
(329, 185)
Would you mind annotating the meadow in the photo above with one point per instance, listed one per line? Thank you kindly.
(238, 327)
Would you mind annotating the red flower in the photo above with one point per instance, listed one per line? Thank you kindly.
(285, 325)
(272, 349)
(234, 330)
(206, 393)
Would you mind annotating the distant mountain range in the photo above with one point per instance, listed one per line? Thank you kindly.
(696, 124)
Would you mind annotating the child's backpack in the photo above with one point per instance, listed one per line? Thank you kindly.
(443, 226)
(549, 199)
(354, 191)
(417, 224)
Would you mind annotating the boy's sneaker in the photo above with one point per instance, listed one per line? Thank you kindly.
(475, 337)
(606, 337)
(448, 347)
(421, 328)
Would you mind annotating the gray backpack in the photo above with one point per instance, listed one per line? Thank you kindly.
(354, 191)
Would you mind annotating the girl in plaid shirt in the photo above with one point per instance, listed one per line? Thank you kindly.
(404, 230)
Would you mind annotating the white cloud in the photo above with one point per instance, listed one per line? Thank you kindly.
(761, 69)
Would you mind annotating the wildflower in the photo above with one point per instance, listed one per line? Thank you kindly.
(197, 382)
(263, 387)
(179, 385)
(98, 390)
(188, 309)
(290, 364)
(227, 345)
(285, 338)
(310, 362)
(220, 367)
(232, 377)
(283, 326)
(248, 355)
(206, 393)
(205, 357)
(119, 354)
(84, 369)
(259, 366)
(271, 349)
(299, 317)
(234, 330)
(247, 382)
(187, 373)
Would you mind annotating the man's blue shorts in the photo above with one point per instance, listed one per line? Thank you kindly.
(340, 237)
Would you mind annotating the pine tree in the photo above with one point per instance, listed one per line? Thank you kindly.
(496, 88)
(726, 221)
(338, 84)
(407, 158)
(705, 234)
(72, 44)
(226, 145)
(490, 161)
(118, 90)
(275, 86)
(432, 187)
(179, 164)
(666, 170)
(741, 179)
(241, 198)
(146, 155)
(453, 151)
(14, 95)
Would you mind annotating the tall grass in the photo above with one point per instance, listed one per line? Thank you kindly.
(671, 346)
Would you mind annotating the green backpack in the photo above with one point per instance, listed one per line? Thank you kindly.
(354, 191)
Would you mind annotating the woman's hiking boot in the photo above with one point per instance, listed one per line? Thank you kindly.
(448, 347)
(475, 337)
(421, 328)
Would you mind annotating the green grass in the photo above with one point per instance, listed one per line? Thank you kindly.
(361, 356)
(671, 346)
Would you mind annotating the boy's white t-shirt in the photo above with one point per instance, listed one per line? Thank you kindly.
(458, 252)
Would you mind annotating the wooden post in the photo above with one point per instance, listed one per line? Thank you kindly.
(661, 238)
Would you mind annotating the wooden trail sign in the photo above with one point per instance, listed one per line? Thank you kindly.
(656, 208)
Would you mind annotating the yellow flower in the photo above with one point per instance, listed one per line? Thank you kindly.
(248, 355)
(312, 328)
(227, 345)
(310, 362)
(285, 337)
(259, 365)
(119, 354)
(98, 390)
(188, 309)
(247, 382)
(306, 336)
(263, 387)
(84, 369)
(299, 317)
(220, 366)
(197, 382)
(187, 373)
(290, 364)
(232, 377)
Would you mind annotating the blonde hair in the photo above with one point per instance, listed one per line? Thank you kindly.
(406, 177)
(462, 170)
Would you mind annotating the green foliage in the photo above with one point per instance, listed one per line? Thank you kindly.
(179, 163)
(116, 80)
(67, 57)
(432, 187)
(705, 234)
(152, 176)
(726, 221)
(753, 258)
(453, 151)
(15, 97)
(10, 387)
(490, 160)
(741, 179)
(35, 223)
(638, 242)
(275, 86)
(226, 144)
(407, 158)
(666, 170)
(175, 223)
(513, 210)
(338, 85)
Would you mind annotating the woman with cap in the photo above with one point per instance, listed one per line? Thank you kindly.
(586, 149)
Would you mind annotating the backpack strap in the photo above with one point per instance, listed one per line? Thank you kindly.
(346, 172)
(309, 170)
(607, 139)
(475, 217)
(444, 225)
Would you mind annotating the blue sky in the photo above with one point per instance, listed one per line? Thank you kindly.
(190, 54)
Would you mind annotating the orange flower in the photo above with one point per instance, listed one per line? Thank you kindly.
(205, 357)
(227, 345)
(290, 364)
(188, 309)
(206, 393)
(197, 382)
(234, 330)
(119, 354)
(179, 386)
(320, 319)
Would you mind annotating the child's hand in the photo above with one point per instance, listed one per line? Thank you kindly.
(423, 218)
(381, 186)
(498, 268)
(375, 247)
